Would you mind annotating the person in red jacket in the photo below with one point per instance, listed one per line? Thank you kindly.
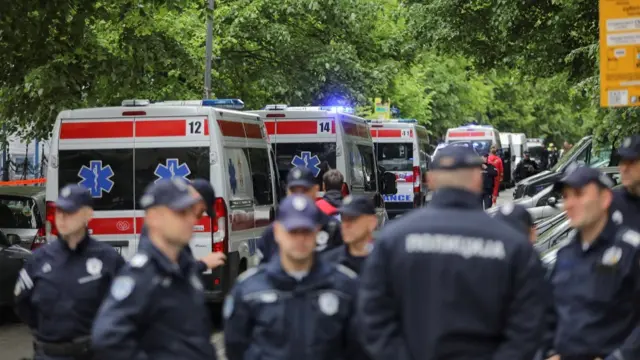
(495, 160)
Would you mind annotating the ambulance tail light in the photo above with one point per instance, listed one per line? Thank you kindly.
(220, 226)
(50, 219)
(40, 239)
(345, 190)
(416, 181)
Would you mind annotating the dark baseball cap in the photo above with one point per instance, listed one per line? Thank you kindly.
(172, 193)
(456, 157)
(630, 148)
(207, 193)
(580, 176)
(297, 212)
(300, 176)
(73, 197)
(357, 205)
(515, 216)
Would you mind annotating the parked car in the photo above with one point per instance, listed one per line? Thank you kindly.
(12, 259)
(22, 212)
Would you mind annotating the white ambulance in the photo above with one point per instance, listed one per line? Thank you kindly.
(116, 152)
(402, 147)
(479, 137)
(324, 138)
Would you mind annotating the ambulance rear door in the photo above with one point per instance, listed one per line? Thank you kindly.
(395, 152)
(173, 142)
(95, 148)
(477, 138)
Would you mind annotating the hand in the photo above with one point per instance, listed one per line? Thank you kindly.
(214, 259)
(484, 166)
(494, 198)
(554, 357)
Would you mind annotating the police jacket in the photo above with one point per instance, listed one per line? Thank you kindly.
(60, 289)
(525, 168)
(328, 238)
(450, 282)
(144, 240)
(488, 178)
(271, 315)
(625, 209)
(597, 296)
(340, 255)
(156, 310)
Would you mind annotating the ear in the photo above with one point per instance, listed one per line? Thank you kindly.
(607, 198)
(277, 231)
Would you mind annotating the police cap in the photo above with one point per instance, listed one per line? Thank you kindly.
(456, 157)
(580, 176)
(172, 193)
(515, 216)
(298, 212)
(357, 205)
(630, 148)
(300, 176)
(73, 197)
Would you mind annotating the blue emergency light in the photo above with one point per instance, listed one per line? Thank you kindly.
(235, 104)
(407, 120)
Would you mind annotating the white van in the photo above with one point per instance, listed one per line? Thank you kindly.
(402, 148)
(117, 152)
(519, 145)
(324, 138)
(506, 140)
(480, 137)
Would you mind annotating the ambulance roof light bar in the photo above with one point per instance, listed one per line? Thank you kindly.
(276, 107)
(136, 102)
(235, 104)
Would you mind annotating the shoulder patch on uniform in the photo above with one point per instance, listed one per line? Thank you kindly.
(227, 309)
(247, 274)
(631, 237)
(122, 287)
(139, 260)
(345, 270)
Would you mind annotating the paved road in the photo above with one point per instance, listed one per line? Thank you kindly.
(15, 340)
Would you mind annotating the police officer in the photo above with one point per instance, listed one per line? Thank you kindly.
(596, 277)
(518, 218)
(450, 282)
(359, 221)
(62, 285)
(156, 308)
(526, 167)
(294, 307)
(626, 200)
(301, 181)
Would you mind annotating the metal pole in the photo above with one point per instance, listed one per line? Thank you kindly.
(5, 157)
(209, 55)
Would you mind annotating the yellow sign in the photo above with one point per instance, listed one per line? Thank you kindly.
(382, 110)
(619, 53)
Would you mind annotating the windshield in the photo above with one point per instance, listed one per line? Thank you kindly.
(319, 157)
(395, 156)
(18, 213)
(569, 154)
(535, 151)
(480, 146)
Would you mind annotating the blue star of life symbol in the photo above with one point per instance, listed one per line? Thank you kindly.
(96, 178)
(232, 177)
(306, 160)
(172, 169)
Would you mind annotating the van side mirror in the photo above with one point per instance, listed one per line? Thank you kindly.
(389, 186)
(552, 201)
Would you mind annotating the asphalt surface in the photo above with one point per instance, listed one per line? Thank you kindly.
(15, 338)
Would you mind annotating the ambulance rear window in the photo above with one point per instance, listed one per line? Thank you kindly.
(395, 156)
(319, 157)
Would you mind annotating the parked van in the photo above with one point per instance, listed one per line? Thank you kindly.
(116, 152)
(324, 138)
(479, 137)
(519, 146)
(402, 148)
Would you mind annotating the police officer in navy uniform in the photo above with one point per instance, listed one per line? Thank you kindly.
(295, 306)
(449, 281)
(596, 277)
(358, 222)
(156, 308)
(626, 200)
(62, 286)
(518, 217)
(301, 181)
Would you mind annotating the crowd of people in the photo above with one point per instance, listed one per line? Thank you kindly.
(446, 281)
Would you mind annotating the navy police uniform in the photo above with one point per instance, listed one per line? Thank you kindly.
(516, 216)
(626, 206)
(354, 206)
(156, 308)
(60, 289)
(596, 290)
(271, 314)
(450, 282)
(329, 236)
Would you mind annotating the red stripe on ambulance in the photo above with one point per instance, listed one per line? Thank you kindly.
(390, 133)
(157, 128)
(467, 134)
(253, 131)
(302, 127)
(96, 130)
(231, 128)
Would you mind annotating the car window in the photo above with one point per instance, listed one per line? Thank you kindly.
(367, 161)
(569, 154)
(319, 157)
(395, 156)
(260, 176)
(18, 213)
(238, 175)
(107, 173)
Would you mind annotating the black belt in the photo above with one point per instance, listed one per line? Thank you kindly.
(79, 348)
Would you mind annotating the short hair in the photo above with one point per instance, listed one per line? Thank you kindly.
(333, 180)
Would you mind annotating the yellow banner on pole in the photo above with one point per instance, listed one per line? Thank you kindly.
(382, 110)
(619, 53)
